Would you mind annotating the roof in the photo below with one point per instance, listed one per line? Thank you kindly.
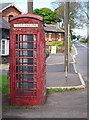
(4, 24)
(28, 16)
(53, 28)
(4, 6)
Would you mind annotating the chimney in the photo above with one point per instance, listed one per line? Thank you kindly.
(30, 6)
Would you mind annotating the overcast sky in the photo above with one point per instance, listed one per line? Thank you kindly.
(22, 4)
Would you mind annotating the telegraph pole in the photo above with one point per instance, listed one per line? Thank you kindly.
(66, 27)
(30, 6)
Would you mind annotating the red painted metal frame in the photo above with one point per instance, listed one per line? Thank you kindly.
(27, 98)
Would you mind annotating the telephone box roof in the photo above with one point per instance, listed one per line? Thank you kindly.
(28, 16)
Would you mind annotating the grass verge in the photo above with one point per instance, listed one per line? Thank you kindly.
(18, 107)
(60, 89)
(3, 82)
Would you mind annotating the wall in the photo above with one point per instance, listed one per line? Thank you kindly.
(10, 11)
(54, 37)
(62, 37)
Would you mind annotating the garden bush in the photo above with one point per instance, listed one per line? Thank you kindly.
(60, 46)
(53, 43)
(70, 44)
(83, 40)
(59, 43)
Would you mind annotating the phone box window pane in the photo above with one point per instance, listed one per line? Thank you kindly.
(26, 61)
(35, 38)
(35, 69)
(26, 77)
(25, 45)
(26, 69)
(35, 76)
(35, 61)
(34, 53)
(27, 85)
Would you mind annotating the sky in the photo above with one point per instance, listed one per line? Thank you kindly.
(22, 5)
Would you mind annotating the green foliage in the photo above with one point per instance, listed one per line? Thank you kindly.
(3, 82)
(73, 37)
(87, 42)
(18, 107)
(14, 107)
(70, 45)
(59, 89)
(47, 14)
(53, 43)
(28, 107)
(83, 40)
(59, 43)
(76, 17)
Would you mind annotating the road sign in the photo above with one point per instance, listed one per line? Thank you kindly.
(53, 49)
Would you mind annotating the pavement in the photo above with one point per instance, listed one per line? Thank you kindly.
(55, 75)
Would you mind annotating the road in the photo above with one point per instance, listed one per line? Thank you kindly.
(82, 59)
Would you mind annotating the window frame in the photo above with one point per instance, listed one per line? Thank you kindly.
(45, 36)
(9, 18)
(6, 47)
(50, 38)
(59, 37)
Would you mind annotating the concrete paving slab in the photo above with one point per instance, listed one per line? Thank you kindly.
(55, 75)
(71, 104)
(58, 79)
(57, 58)
(59, 68)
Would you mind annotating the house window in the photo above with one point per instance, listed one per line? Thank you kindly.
(10, 16)
(50, 39)
(59, 37)
(4, 47)
(55, 36)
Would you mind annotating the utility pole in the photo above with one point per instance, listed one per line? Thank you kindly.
(30, 6)
(66, 27)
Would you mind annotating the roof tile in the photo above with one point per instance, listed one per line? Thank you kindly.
(52, 28)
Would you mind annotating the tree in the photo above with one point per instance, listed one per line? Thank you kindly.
(76, 17)
(48, 15)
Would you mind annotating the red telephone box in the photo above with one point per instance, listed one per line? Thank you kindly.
(27, 60)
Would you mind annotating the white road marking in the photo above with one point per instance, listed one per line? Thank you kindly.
(82, 81)
(80, 76)
(76, 52)
(79, 86)
(55, 64)
(83, 45)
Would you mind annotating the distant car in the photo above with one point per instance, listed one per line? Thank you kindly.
(73, 40)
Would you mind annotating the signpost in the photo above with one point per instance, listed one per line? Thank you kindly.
(66, 22)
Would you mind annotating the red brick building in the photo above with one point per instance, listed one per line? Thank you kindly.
(9, 10)
(53, 33)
